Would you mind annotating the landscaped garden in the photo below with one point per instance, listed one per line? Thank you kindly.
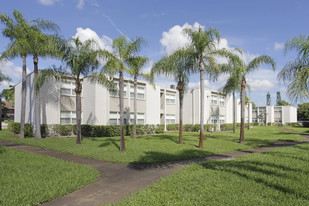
(160, 147)
(278, 177)
(30, 179)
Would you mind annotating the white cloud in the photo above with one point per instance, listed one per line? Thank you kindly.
(8, 68)
(174, 38)
(262, 80)
(104, 42)
(197, 84)
(278, 46)
(148, 67)
(80, 4)
(48, 2)
(258, 84)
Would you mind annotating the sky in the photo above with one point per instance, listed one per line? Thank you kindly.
(257, 27)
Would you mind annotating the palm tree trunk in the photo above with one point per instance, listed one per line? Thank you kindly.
(234, 113)
(242, 119)
(37, 108)
(135, 107)
(180, 114)
(248, 115)
(23, 98)
(121, 87)
(201, 143)
(78, 91)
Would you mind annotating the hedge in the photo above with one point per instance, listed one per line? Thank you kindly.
(191, 127)
(55, 130)
(305, 124)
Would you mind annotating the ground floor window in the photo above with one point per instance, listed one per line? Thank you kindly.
(278, 120)
(170, 119)
(254, 119)
(214, 119)
(140, 118)
(67, 117)
(222, 119)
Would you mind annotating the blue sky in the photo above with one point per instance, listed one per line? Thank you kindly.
(258, 27)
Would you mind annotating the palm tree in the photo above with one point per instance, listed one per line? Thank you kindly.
(245, 69)
(123, 51)
(136, 64)
(18, 30)
(178, 65)
(203, 43)
(80, 59)
(2, 78)
(296, 73)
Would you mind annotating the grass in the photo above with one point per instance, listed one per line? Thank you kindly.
(161, 147)
(278, 177)
(300, 129)
(30, 179)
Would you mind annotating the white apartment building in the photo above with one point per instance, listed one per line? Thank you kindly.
(274, 114)
(155, 105)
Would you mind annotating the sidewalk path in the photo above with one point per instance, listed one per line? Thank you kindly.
(118, 180)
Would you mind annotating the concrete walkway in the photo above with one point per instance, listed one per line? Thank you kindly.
(118, 180)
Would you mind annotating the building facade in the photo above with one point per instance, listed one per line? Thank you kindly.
(155, 105)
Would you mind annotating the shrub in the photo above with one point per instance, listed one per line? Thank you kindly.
(293, 124)
(28, 130)
(226, 127)
(172, 127)
(305, 124)
(160, 128)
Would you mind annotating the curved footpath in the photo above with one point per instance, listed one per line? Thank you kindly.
(118, 180)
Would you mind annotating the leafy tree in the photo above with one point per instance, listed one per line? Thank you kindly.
(203, 43)
(135, 69)
(303, 111)
(23, 35)
(118, 61)
(283, 103)
(296, 73)
(80, 60)
(178, 65)
(8, 94)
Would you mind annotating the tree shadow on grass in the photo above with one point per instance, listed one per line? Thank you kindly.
(153, 159)
(258, 172)
(110, 141)
(173, 138)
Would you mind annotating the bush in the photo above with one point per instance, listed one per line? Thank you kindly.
(15, 128)
(226, 127)
(305, 124)
(172, 127)
(293, 124)
(160, 128)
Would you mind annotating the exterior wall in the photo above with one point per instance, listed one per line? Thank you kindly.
(153, 104)
(49, 98)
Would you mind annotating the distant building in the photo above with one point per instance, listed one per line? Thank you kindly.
(8, 112)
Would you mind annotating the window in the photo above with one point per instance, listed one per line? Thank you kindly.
(222, 119)
(140, 119)
(214, 119)
(262, 110)
(140, 92)
(67, 117)
(67, 88)
(278, 109)
(214, 99)
(115, 93)
(114, 118)
(170, 98)
(170, 119)
(222, 101)
(254, 119)
(278, 120)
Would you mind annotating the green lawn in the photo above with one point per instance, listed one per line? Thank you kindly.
(160, 147)
(298, 129)
(30, 179)
(278, 177)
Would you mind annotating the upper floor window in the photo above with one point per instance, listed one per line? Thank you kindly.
(222, 101)
(214, 99)
(170, 98)
(278, 109)
(67, 88)
(115, 93)
(114, 118)
(140, 92)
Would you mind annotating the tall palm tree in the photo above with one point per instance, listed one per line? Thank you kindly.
(123, 51)
(178, 65)
(135, 69)
(296, 73)
(204, 45)
(245, 69)
(18, 30)
(80, 60)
